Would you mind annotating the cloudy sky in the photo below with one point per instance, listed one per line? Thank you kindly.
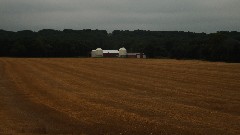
(182, 15)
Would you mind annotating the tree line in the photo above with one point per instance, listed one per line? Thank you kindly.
(219, 46)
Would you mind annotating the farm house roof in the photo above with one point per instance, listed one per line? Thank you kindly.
(110, 51)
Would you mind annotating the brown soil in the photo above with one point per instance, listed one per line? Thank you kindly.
(118, 96)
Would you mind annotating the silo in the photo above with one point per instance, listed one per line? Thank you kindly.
(122, 52)
(93, 53)
(99, 52)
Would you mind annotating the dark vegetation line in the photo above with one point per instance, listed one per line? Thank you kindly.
(220, 46)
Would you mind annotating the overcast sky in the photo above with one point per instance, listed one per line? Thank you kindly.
(162, 15)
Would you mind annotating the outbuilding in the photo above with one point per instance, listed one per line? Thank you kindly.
(136, 55)
(110, 53)
(97, 53)
(122, 53)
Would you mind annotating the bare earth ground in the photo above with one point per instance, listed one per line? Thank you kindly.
(118, 96)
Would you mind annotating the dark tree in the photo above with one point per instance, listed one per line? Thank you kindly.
(220, 46)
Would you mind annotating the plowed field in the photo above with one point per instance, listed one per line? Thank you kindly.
(118, 96)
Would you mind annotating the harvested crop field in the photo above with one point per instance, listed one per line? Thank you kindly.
(118, 96)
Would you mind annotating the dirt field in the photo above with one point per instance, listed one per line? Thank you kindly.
(118, 96)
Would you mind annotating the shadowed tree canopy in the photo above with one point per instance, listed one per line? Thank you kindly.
(220, 46)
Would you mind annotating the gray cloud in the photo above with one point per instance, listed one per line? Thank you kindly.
(186, 15)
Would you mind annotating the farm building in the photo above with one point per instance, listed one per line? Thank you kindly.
(122, 53)
(97, 53)
(110, 53)
(136, 55)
